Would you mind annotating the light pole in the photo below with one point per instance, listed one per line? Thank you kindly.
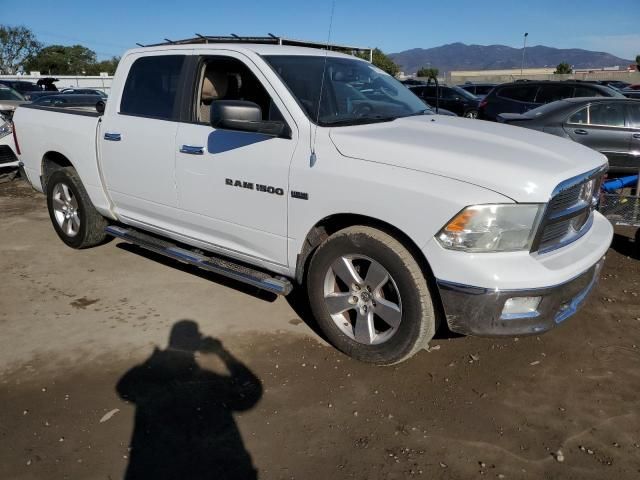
(524, 48)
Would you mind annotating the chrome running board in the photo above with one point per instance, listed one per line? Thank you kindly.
(221, 266)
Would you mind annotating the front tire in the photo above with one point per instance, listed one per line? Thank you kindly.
(471, 114)
(369, 296)
(74, 218)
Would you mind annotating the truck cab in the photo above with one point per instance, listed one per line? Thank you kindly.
(290, 167)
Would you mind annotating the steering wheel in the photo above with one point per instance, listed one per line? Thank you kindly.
(363, 110)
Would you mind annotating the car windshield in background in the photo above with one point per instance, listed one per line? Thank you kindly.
(354, 92)
(613, 92)
(463, 93)
(10, 94)
(543, 109)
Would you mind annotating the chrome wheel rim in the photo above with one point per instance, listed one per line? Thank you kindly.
(362, 299)
(65, 209)
(471, 114)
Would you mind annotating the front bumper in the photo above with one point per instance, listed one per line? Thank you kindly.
(478, 311)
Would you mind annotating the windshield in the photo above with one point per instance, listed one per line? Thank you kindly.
(463, 93)
(543, 109)
(353, 92)
(616, 93)
(10, 94)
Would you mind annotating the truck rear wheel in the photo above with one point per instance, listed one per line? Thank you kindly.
(370, 297)
(74, 218)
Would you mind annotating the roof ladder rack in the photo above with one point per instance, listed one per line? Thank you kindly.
(270, 39)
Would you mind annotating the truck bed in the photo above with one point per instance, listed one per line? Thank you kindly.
(88, 110)
(72, 133)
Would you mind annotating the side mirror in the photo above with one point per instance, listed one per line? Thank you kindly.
(244, 116)
(100, 105)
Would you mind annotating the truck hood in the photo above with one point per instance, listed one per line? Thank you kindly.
(519, 163)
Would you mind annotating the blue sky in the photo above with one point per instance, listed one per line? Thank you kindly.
(111, 27)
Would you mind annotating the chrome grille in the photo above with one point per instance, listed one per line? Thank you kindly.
(554, 232)
(566, 199)
(570, 211)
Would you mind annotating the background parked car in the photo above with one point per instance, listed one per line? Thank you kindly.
(617, 84)
(454, 99)
(71, 100)
(41, 93)
(629, 93)
(518, 97)
(622, 87)
(84, 91)
(412, 81)
(21, 86)
(608, 125)
(480, 90)
(443, 111)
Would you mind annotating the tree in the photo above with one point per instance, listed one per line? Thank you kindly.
(382, 61)
(563, 69)
(17, 44)
(108, 66)
(428, 72)
(62, 60)
(638, 62)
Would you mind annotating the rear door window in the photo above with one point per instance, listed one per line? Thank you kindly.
(581, 117)
(600, 114)
(607, 114)
(551, 93)
(520, 93)
(152, 86)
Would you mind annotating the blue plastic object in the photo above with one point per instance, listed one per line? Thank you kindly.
(618, 183)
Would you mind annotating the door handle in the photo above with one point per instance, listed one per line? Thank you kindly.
(113, 137)
(636, 135)
(580, 131)
(191, 150)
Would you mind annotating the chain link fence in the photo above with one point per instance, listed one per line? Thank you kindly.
(621, 209)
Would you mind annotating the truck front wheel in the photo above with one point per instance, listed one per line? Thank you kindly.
(74, 218)
(370, 297)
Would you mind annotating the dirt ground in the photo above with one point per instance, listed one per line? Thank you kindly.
(89, 389)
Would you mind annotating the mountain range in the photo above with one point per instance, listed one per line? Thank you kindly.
(459, 56)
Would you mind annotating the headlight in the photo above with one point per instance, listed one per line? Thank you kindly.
(5, 129)
(492, 228)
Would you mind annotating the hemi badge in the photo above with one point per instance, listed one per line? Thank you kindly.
(299, 195)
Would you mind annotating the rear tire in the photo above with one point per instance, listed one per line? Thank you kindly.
(74, 218)
(370, 297)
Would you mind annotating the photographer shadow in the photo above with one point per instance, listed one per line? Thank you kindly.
(184, 425)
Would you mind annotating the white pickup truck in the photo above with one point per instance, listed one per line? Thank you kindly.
(282, 166)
